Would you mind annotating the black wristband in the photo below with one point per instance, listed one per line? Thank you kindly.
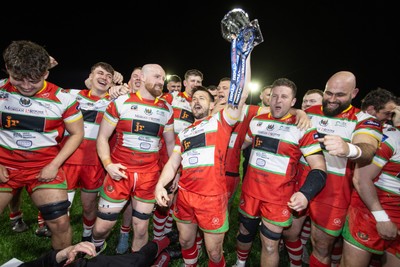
(314, 183)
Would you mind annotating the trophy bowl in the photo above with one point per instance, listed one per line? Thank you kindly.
(233, 22)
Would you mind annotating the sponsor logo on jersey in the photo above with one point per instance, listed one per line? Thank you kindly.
(25, 102)
(22, 122)
(89, 115)
(323, 123)
(194, 142)
(24, 143)
(4, 95)
(372, 123)
(266, 143)
(145, 127)
(341, 124)
(186, 115)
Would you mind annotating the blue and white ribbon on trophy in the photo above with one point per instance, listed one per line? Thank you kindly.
(244, 36)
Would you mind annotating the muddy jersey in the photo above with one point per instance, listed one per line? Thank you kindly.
(203, 147)
(237, 138)
(347, 124)
(32, 127)
(277, 145)
(140, 124)
(180, 102)
(92, 108)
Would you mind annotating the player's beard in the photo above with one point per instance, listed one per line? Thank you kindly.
(200, 114)
(333, 112)
(155, 90)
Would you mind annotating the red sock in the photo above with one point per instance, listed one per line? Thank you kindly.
(88, 224)
(242, 254)
(314, 262)
(170, 220)
(125, 229)
(305, 232)
(199, 240)
(295, 250)
(159, 219)
(336, 254)
(40, 219)
(221, 263)
(15, 215)
(190, 256)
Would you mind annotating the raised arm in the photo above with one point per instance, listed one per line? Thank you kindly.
(233, 113)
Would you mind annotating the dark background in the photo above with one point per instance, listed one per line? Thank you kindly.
(305, 41)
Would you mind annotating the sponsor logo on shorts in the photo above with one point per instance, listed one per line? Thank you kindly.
(215, 221)
(337, 222)
(362, 236)
(110, 188)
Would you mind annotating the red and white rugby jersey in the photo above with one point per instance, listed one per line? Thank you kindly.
(32, 127)
(140, 124)
(277, 145)
(203, 146)
(180, 102)
(92, 108)
(238, 136)
(350, 122)
(387, 157)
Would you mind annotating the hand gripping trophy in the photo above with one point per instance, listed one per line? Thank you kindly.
(244, 36)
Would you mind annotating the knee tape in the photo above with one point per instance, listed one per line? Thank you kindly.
(251, 226)
(142, 216)
(269, 234)
(53, 211)
(107, 216)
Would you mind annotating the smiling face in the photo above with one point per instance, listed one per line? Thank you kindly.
(153, 79)
(27, 87)
(101, 79)
(339, 91)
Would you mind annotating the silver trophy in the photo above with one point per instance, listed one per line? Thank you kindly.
(244, 36)
(237, 20)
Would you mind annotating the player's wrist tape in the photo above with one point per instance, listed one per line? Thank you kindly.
(106, 162)
(354, 151)
(380, 216)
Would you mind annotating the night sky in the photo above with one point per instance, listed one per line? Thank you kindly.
(305, 41)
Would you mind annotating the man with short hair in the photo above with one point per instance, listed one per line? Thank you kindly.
(174, 83)
(268, 189)
(311, 98)
(265, 95)
(140, 120)
(349, 139)
(200, 154)
(35, 113)
(372, 225)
